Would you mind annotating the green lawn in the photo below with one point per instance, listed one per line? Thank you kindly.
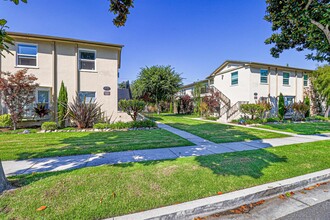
(213, 131)
(300, 128)
(38, 145)
(134, 187)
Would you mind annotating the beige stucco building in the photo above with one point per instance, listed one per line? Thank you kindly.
(89, 68)
(248, 82)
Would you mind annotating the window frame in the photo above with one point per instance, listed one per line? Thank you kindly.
(17, 44)
(231, 78)
(79, 60)
(305, 80)
(87, 92)
(261, 76)
(286, 78)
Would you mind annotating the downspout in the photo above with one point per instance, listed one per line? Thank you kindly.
(296, 89)
(55, 82)
(269, 73)
(77, 80)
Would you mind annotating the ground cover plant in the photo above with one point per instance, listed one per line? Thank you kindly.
(107, 191)
(38, 145)
(213, 131)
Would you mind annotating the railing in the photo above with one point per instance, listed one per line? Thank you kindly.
(205, 90)
(222, 97)
(223, 110)
(235, 108)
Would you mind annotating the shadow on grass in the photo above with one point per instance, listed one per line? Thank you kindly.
(245, 163)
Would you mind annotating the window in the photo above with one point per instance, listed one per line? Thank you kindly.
(305, 80)
(286, 78)
(87, 59)
(264, 76)
(87, 96)
(27, 55)
(234, 78)
(43, 97)
(212, 81)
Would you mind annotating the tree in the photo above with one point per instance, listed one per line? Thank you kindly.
(281, 107)
(255, 110)
(212, 101)
(321, 82)
(121, 9)
(62, 104)
(300, 24)
(158, 83)
(300, 109)
(132, 107)
(18, 92)
(186, 104)
(3, 180)
(123, 85)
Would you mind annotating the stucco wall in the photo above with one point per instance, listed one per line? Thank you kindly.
(106, 73)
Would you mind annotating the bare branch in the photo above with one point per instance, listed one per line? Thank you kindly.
(308, 4)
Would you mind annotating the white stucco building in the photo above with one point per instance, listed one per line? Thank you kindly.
(89, 68)
(247, 82)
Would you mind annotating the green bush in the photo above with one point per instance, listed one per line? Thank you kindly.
(273, 119)
(281, 106)
(5, 120)
(317, 118)
(123, 125)
(49, 125)
(132, 107)
(255, 110)
(212, 118)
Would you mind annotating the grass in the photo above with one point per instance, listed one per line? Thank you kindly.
(212, 131)
(107, 191)
(39, 145)
(300, 128)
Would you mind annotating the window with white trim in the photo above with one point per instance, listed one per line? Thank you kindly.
(286, 78)
(43, 97)
(87, 59)
(234, 78)
(87, 96)
(305, 80)
(27, 54)
(263, 76)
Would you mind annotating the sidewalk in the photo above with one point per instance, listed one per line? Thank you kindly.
(203, 147)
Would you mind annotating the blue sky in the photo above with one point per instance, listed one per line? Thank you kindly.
(193, 36)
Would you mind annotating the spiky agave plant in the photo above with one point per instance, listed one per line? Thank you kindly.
(84, 114)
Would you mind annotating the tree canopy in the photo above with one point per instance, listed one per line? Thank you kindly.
(156, 84)
(300, 24)
(321, 82)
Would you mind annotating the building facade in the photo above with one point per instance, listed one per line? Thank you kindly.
(249, 82)
(87, 68)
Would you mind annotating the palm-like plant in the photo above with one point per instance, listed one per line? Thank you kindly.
(84, 114)
(41, 110)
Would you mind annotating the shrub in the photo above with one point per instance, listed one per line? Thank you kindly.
(213, 118)
(84, 114)
(300, 109)
(49, 125)
(123, 125)
(132, 107)
(62, 107)
(5, 120)
(317, 118)
(273, 119)
(186, 104)
(41, 110)
(281, 107)
(255, 110)
(307, 103)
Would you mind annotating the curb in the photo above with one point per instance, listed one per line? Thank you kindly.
(215, 204)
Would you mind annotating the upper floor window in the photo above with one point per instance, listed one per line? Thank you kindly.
(87, 59)
(264, 76)
(27, 55)
(305, 80)
(87, 96)
(286, 78)
(212, 81)
(234, 78)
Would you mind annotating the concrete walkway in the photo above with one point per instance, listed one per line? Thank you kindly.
(203, 147)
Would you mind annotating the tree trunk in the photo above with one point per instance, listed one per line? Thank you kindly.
(326, 114)
(3, 180)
